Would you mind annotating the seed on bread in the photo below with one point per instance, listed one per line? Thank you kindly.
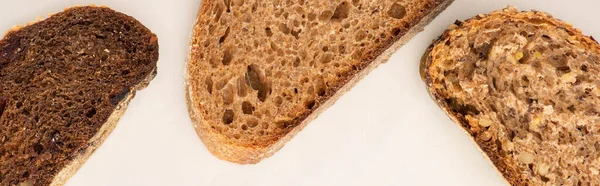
(524, 85)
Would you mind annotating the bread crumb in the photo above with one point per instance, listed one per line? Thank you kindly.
(570, 77)
(594, 171)
(543, 168)
(485, 122)
(534, 124)
(526, 157)
(519, 56)
(537, 54)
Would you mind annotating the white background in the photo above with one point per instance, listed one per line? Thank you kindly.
(385, 131)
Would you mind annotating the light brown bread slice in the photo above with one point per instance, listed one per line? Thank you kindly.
(259, 71)
(525, 86)
(64, 83)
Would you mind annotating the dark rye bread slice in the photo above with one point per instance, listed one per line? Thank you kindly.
(64, 83)
(526, 87)
(259, 71)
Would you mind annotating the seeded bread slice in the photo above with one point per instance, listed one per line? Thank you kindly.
(525, 86)
(259, 71)
(64, 83)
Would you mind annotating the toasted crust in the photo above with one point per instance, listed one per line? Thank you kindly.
(226, 150)
(490, 149)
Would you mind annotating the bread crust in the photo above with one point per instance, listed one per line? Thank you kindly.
(221, 148)
(505, 166)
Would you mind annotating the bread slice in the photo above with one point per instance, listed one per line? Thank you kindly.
(259, 71)
(64, 83)
(526, 87)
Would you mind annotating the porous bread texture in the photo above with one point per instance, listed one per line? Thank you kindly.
(64, 83)
(260, 70)
(526, 87)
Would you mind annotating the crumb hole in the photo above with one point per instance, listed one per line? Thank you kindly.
(346, 25)
(341, 12)
(209, 84)
(247, 108)
(241, 86)
(397, 11)
(38, 148)
(310, 104)
(257, 81)
(268, 32)
(583, 130)
(218, 11)
(228, 117)
(239, 2)
(584, 68)
(572, 108)
(222, 39)
(252, 122)
(525, 81)
(545, 179)
(312, 17)
(284, 28)
(220, 84)
(228, 94)
(296, 33)
(91, 113)
(297, 62)
(320, 86)
(511, 135)
(286, 15)
(244, 127)
(254, 6)
(396, 31)
(227, 56)
(325, 16)
(326, 58)
(278, 101)
(228, 5)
